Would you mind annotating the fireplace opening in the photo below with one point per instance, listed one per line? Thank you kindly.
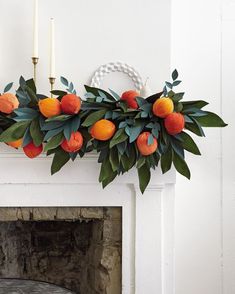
(78, 249)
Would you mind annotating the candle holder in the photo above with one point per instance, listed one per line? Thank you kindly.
(52, 82)
(35, 62)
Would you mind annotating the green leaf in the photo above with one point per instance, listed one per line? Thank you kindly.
(60, 159)
(58, 92)
(32, 95)
(14, 132)
(176, 83)
(8, 87)
(181, 165)
(135, 131)
(119, 137)
(196, 103)
(174, 75)
(30, 83)
(125, 162)
(62, 117)
(188, 143)
(211, 120)
(140, 162)
(177, 97)
(64, 81)
(94, 117)
(54, 142)
(166, 160)
(113, 158)
(115, 95)
(36, 133)
(144, 177)
(108, 180)
(106, 170)
(26, 138)
(195, 128)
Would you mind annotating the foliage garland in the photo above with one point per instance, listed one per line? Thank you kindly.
(120, 153)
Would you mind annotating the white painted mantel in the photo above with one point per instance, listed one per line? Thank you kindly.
(148, 220)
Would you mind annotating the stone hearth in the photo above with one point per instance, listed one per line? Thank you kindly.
(78, 248)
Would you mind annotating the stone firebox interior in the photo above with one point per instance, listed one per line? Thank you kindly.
(76, 248)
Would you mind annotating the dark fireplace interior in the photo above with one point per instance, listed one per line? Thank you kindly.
(81, 253)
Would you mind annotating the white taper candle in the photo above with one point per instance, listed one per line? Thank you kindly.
(35, 29)
(52, 49)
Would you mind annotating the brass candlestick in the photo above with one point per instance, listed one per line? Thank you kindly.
(35, 62)
(52, 82)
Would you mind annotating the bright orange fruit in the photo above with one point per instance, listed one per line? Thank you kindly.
(142, 144)
(103, 130)
(70, 104)
(163, 106)
(16, 144)
(74, 143)
(8, 103)
(49, 107)
(174, 123)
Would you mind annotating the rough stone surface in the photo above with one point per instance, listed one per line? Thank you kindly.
(14, 286)
(76, 248)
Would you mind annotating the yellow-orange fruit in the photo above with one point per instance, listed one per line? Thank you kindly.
(16, 144)
(130, 98)
(8, 103)
(49, 107)
(103, 130)
(142, 144)
(71, 104)
(32, 151)
(174, 123)
(163, 106)
(74, 144)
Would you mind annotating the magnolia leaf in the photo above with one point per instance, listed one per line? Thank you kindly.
(119, 137)
(211, 119)
(54, 142)
(115, 95)
(94, 117)
(196, 103)
(177, 97)
(154, 97)
(36, 132)
(60, 159)
(62, 117)
(140, 162)
(30, 83)
(176, 83)
(106, 170)
(181, 165)
(113, 158)
(32, 95)
(174, 75)
(58, 92)
(166, 160)
(135, 131)
(8, 87)
(22, 82)
(188, 143)
(109, 179)
(195, 128)
(64, 81)
(95, 92)
(125, 162)
(14, 132)
(26, 138)
(144, 177)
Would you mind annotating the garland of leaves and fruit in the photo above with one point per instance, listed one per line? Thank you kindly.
(127, 131)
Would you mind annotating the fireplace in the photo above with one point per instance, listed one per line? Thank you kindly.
(147, 223)
(76, 248)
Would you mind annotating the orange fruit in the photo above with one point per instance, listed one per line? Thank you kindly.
(74, 143)
(16, 144)
(103, 130)
(142, 144)
(8, 103)
(32, 151)
(163, 106)
(174, 123)
(70, 104)
(49, 107)
(130, 98)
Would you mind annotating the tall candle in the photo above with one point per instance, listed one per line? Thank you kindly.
(35, 30)
(52, 50)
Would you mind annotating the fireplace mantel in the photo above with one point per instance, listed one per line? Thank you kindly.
(148, 220)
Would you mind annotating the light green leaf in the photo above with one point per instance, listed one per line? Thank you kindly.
(14, 132)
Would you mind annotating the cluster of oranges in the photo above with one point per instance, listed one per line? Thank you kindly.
(103, 129)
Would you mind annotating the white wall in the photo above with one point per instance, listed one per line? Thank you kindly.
(88, 34)
(203, 46)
